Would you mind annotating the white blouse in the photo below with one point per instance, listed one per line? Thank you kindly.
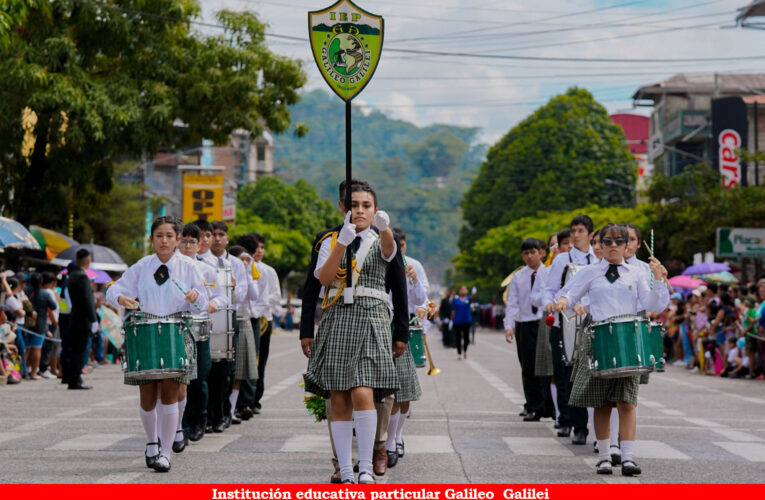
(216, 293)
(161, 300)
(326, 247)
(627, 295)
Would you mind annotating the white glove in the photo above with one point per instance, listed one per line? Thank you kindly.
(348, 232)
(94, 327)
(382, 221)
(451, 325)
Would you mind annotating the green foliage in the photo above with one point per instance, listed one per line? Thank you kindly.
(497, 253)
(288, 216)
(692, 205)
(316, 406)
(107, 81)
(399, 159)
(557, 158)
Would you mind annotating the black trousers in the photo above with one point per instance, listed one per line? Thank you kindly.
(462, 334)
(570, 416)
(265, 345)
(533, 386)
(78, 341)
(197, 393)
(217, 386)
(66, 345)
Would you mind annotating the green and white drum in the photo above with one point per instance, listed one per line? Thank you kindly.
(416, 345)
(155, 347)
(621, 347)
(655, 333)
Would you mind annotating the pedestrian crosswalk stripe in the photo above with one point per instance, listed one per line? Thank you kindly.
(537, 446)
(9, 436)
(306, 443)
(754, 452)
(650, 404)
(645, 448)
(293, 379)
(119, 477)
(670, 412)
(34, 425)
(734, 435)
(417, 443)
(701, 422)
(90, 442)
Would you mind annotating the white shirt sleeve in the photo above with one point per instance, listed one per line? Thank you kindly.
(512, 307)
(216, 293)
(655, 300)
(416, 294)
(126, 285)
(553, 277)
(578, 287)
(274, 290)
(422, 277)
(324, 250)
(197, 283)
(239, 274)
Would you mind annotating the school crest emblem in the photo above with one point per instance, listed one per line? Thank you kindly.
(346, 42)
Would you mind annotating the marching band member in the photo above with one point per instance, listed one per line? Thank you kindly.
(221, 372)
(352, 360)
(521, 322)
(580, 234)
(195, 414)
(614, 289)
(150, 284)
(205, 241)
(417, 296)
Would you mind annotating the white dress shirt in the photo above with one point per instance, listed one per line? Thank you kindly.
(208, 257)
(417, 294)
(161, 300)
(624, 296)
(269, 299)
(555, 274)
(325, 249)
(519, 297)
(422, 277)
(643, 267)
(217, 292)
(239, 274)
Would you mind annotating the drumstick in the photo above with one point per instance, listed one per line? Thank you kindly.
(210, 284)
(671, 290)
(184, 294)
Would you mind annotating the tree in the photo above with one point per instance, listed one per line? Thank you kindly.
(437, 155)
(498, 252)
(94, 83)
(556, 159)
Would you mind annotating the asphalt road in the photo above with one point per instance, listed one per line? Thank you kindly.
(465, 429)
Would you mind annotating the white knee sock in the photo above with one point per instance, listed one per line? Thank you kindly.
(400, 428)
(159, 417)
(179, 428)
(366, 428)
(591, 419)
(614, 427)
(390, 444)
(342, 435)
(149, 421)
(554, 393)
(603, 453)
(628, 447)
(168, 416)
(232, 399)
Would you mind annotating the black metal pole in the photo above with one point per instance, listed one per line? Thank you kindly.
(348, 168)
(756, 147)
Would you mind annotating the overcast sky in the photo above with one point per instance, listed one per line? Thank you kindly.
(495, 94)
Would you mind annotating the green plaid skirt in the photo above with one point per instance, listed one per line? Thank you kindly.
(246, 354)
(543, 365)
(407, 378)
(590, 392)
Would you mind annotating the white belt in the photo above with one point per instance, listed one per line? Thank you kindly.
(363, 291)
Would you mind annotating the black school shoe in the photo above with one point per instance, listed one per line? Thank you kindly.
(630, 468)
(179, 446)
(392, 458)
(150, 461)
(604, 467)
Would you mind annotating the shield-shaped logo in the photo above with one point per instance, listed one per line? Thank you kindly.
(346, 42)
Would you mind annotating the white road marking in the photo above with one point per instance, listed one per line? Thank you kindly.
(650, 404)
(657, 449)
(119, 478)
(673, 413)
(703, 422)
(213, 442)
(92, 442)
(34, 425)
(110, 402)
(307, 443)
(497, 383)
(293, 379)
(735, 435)
(418, 444)
(9, 436)
(754, 452)
(72, 413)
(537, 446)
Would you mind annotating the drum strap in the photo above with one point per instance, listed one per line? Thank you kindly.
(362, 254)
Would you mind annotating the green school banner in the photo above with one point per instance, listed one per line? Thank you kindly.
(346, 42)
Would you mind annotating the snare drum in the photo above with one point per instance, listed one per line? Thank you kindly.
(222, 346)
(155, 348)
(416, 345)
(571, 330)
(655, 334)
(200, 327)
(620, 347)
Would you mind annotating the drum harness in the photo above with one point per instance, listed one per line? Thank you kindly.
(357, 264)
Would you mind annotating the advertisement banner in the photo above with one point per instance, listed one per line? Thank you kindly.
(202, 197)
(729, 132)
(740, 242)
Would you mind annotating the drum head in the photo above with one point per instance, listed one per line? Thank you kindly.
(568, 331)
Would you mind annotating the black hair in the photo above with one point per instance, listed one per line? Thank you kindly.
(712, 287)
(582, 220)
(753, 289)
(726, 299)
(259, 238)
(191, 230)
(616, 230)
(237, 250)
(166, 219)
(35, 280)
(12, 282)
(84, 253)
(724, 287)
(563, 234)
(400, 233)
(48, 277)
(531, 244)
(634, 228)
(248, 241)
(354, 183)
(549, 239)
(203, 225)
(218, 225)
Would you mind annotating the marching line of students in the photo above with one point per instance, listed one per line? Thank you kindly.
(598, 276)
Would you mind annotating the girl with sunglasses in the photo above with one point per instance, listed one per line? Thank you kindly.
(612, 288)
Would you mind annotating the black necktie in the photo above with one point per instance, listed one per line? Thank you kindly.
(588, 259)
(613, 273)
(534, 309)
(161, 275)
(356, 244)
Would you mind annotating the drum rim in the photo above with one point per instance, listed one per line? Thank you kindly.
(154, 373)
(627, 318)
(622, 371)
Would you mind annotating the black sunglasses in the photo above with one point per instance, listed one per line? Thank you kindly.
(607, 242)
